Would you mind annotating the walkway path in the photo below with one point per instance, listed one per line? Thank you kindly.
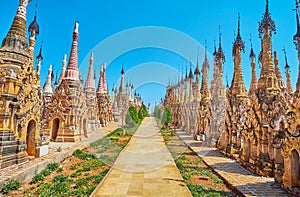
(144, 168)
(27, 170)
(247, 183)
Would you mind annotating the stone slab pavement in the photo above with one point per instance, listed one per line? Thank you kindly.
(243, 180)
(27, 170)
(145, 168)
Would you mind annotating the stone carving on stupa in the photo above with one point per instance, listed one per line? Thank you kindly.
(185, 104)
(237, 104)
(105, 115)
(90, 97)
(287, 169)
(259, 128)
(20, 92)
(172, 102)
(205, 102)
(289, 93)
(218, 98)
(66, 114)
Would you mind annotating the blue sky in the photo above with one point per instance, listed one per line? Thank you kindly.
(196, 20)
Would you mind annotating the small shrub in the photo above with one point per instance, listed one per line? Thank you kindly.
(61, 178)
(52, 166)
(37, 178)
(59, 170)
(10, 186)
(116, 132)
(81, 182)
(179, 165)
(45, 172)
(86, 169)
(86, 174)
(92, 164)
(43, 189)
(59, 188)
(196, 190)
(76, 174)
(89, 190)
(183, 157)
(98, 177)
(74, 167)
(26, 192)
(197, 161)
(186, 176)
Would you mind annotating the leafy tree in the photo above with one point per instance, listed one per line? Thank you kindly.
(143, 112)
(134, 114)
(157, 112)
(129, 120)
(167, 116)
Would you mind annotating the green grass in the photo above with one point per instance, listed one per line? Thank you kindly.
(82, 155)
(209, 174)
(108, 159)
(116, 132)
(199, 191)
(10, 186)
(168, 134)
(93, 164)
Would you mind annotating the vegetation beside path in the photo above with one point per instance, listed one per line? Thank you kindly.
(200, 179)
(79, 174)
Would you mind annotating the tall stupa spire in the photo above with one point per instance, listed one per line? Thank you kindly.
(48, 85)
(238, 86)
(104, 78)
(287, 74)
(253, 84)
(39, 63)
(278, 72)
(268, 77)
(197, 70)
(297, 43)
(191, 98)
(220, 53)
(16, 38)
(100, 84)
(121, 89)
(90, 80)
(204, 86)
(72, 72)
(197, 74)
(34, 30)
(63, 69)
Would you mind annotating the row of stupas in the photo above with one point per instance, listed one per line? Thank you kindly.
(260, 127)
(123, 98)
(60, 111)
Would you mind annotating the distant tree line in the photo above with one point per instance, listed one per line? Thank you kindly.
(163, 115)
(135, 117)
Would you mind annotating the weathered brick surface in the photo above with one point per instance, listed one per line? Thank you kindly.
(243, 180)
